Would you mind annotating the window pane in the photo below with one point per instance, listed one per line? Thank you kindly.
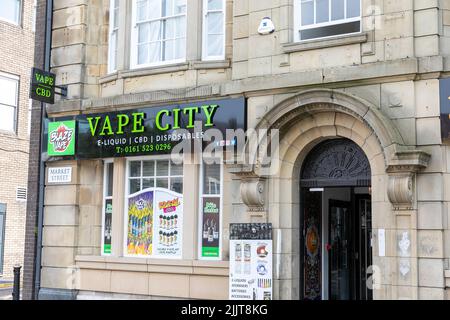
(180, 6)
(148, 183)
(142, 10)
(353, 8)
(143, 53)
(176, 184)
(154, 11)
(143, 32)
(7, 117)
(148, 168)
(307, 11)
(180, 27)
(109, 181)
(180, 48)
(176, 169)
(211, 178)
(337, 9)
(8, 91)
(135, 185)
(116, 18)
(169, 48)
(322, 11)
(169, 29)
(215, 4)
(135, 169)
(215, 23)
(162, 167)
(10, 10)
(167, 8)
(113, 51)
(162, 183)
(215, 45)
(155, 52)
(155, 31)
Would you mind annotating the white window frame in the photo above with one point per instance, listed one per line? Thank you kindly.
(19, 19)
(205, 12)
(134, 40)
(15, 78)
(112, 52)
(298, 16)
(127, 196)
(201, 195)
(106, 162)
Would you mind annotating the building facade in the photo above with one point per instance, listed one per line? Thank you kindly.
(16, 60)
(357, 189)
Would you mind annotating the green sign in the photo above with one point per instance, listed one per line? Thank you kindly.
(42, 86)
(61, 138)
(211, 227)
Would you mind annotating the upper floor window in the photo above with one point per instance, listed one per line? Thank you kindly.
(213, 30)
(159, 32)
(325, 18)
(10, 11)
(113, 34)
(9, 88)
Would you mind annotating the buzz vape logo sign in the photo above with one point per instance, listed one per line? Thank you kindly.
(61, 138)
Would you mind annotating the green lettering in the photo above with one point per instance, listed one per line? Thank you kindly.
(93, 127)
(158, 120)
(209, 112)
(192, 111)
(107, 126)
(122, 121)
(137, 122)
(176, 119)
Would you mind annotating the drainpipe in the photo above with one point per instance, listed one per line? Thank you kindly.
(47, 51)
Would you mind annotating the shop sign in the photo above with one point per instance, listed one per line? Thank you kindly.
(59, 175)
(154, 130)
(42, 86)
(61, 138)
(444, 92)
(155, 219)
(250, 261)
(210, 227)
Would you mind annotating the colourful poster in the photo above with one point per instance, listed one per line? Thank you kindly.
(108, 227)
(167, 237)
(210, 227)
(61, 138)
(140, 223)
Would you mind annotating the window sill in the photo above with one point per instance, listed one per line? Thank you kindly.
(212, 64)
(154, 70)
(324, 43)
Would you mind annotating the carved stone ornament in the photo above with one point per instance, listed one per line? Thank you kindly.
(252, 193)
(400, 191)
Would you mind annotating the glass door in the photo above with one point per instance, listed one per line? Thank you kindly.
(339, 250)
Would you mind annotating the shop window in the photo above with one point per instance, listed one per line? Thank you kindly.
(113, 35)
(11, 11)
(159, 32)
(210, 222)
(108, 183)
(213, 29)
(2, 233)
(326, 18)
(154, 208)
(9, 88)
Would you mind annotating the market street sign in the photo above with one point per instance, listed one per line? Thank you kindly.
(151, 130)
(42, 86)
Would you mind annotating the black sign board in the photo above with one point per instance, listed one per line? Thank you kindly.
(42, 86)
(250, 231)
(154, 130)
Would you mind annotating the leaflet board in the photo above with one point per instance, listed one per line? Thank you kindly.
(250, 261)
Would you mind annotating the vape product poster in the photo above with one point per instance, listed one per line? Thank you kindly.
(140, 223)
(250, 262)
(168, 224)
(107, 226)
(210, 227)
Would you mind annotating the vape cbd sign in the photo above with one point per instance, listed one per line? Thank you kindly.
(61, 138)
(42, 86)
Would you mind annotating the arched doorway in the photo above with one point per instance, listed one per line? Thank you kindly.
(335, 222)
